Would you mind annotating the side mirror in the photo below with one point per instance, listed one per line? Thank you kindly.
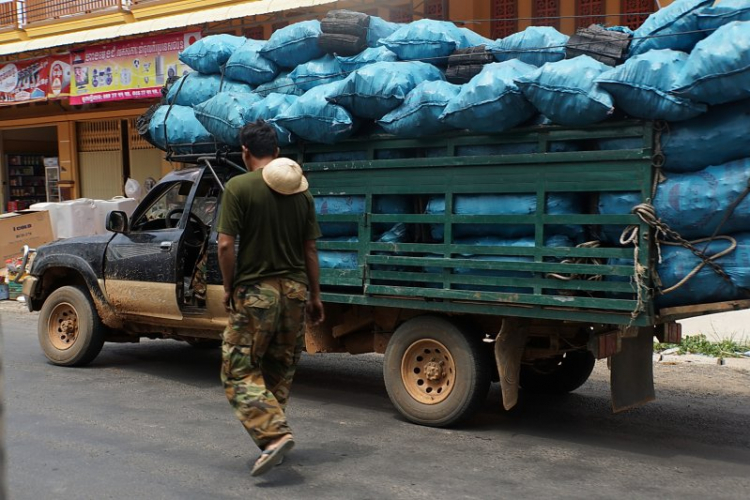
(117, 221)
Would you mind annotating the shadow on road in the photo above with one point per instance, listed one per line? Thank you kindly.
(669, 427)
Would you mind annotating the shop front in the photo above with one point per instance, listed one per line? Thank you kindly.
(68, 122)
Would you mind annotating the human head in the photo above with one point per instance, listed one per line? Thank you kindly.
(259, 144)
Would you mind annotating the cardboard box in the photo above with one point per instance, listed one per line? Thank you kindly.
(27, 227)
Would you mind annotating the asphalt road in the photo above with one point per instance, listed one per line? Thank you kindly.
(150, 421)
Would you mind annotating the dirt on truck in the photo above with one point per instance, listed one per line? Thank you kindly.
(454, 298)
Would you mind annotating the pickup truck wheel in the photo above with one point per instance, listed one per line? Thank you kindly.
(558, 375)
(70, 331)
(435, 373)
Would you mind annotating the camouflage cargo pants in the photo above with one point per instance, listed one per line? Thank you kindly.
(263, 342)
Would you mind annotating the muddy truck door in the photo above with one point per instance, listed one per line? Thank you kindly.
(143, 268)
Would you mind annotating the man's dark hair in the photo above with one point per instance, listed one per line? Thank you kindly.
(260, 139)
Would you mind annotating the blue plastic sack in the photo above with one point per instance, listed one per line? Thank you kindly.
(506, 204)
(378, 29)
(717, 137)
(346, 205)
(566, 91)
(367, 56)
(249, 66)
(619, 203)
(318, 72)
(336, 259)
(515, 149)
(225, 114)
(209, 54)
(491, 101)
(718, 69)
(195, 88)
(536, 45)
(672, 27)
(694, 204)
(474, 39)
(374, 90)
(641, 87)
(294, 44)
(281, 85)
(706, 286)
(182, 128)
(419, 115)
(313, 118)
(716, 16)
(426, 39)
(554, 241)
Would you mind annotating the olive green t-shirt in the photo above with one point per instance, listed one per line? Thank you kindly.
(272, 229)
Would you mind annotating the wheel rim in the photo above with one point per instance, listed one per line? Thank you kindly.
(428, 371)
(62, 328)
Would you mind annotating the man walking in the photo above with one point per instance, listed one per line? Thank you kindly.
(266, 288)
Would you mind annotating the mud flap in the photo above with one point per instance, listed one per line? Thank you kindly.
(632, 372)
(509, 347)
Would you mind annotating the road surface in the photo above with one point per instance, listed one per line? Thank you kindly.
(150, 421)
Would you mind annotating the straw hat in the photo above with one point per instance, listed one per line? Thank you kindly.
(285, 176)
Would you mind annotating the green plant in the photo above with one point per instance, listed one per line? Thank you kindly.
(699, 344)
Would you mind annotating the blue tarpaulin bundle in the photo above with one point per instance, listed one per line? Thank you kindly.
(348, 205)
(249, 66)
(281, 85)
(379, 29)
(294, 44)
(706, 286)
(367, 56)
(505, 204)
(209, 54)
(718, 69)
(566, 91)
(317, 72)
(672, 27)
(724, 12)
(374, 90)
(717, 137)
(177, 128)
(641, 87)
(419, 115)
(491, 101)
(536, 45)
(426, 39)
(313, 118)
(195, 88)
(225, 114)
(694, 204)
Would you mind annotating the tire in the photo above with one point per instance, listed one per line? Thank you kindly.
(559, 375)
(435, 374)
(70, 331)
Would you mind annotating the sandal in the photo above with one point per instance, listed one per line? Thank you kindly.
(272, 457)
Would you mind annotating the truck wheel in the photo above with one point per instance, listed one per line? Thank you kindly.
(435, 373)
(70, 331)
(558, 375)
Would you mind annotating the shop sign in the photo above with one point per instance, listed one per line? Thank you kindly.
(132, 69)
(35, 80)
(24, 81)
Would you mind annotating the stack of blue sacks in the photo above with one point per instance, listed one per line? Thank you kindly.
(700, 83)
(689, 65)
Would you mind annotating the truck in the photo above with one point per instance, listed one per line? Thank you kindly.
(449, 315)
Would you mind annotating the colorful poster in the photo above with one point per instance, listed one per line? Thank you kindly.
(59, 77)
(132, 69)
(24, 81)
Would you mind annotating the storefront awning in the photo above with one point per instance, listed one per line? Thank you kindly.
(216, 14)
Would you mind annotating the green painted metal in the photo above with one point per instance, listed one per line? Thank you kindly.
(437, 276)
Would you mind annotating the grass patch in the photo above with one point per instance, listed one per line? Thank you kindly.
(699, 344)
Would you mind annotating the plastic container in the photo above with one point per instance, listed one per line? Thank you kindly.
(71, 218)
